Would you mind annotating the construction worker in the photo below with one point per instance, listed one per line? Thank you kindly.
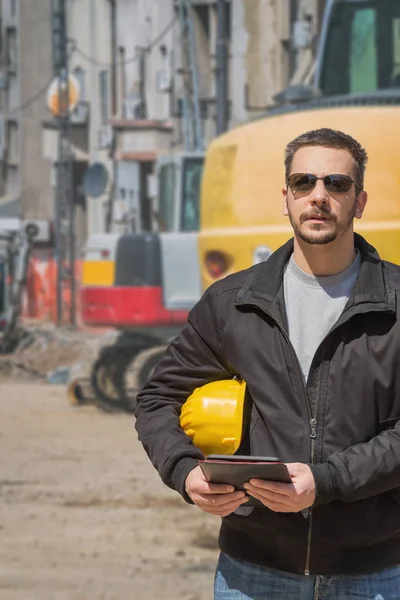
(315, 334)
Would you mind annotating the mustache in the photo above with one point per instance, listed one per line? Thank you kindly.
(320, 214)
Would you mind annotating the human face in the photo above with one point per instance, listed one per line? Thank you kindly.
(319, 216)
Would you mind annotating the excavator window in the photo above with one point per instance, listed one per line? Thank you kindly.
(166, 209)
(363, 48)
(192, 173)
(2, 286)
(179, 194)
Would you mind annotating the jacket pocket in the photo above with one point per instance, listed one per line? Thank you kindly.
(384, 425)
(387, 424)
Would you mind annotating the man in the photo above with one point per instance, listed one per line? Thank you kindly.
(315, 333)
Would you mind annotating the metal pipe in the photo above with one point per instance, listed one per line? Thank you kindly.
(122, 73)
(114, 59)
(69, 182)
(222, 68)
(62, 181)
(71, 240)
(142, 83)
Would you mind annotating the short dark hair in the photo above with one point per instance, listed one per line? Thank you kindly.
(329, 138)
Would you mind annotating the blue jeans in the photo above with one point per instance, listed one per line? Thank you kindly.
(236, 580)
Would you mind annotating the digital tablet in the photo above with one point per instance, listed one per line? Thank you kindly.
(237, 470)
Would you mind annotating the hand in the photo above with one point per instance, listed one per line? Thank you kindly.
(286, 497)
(214, 498)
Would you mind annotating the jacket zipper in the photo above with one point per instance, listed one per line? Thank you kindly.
(313, 423)
(313, 436)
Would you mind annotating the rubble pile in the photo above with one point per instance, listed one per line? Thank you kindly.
(48, 352)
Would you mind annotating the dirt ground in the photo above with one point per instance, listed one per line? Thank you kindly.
(83, 514)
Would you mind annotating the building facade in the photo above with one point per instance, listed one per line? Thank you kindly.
(148, 76)
(26, 72)
(168, 61)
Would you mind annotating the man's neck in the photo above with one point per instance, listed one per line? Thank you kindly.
(322, 260)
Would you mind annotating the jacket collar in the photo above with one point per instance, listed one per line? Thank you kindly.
(265, 280)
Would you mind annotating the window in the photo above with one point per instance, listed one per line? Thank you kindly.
(104, 96)
(362, 52)
(12, 143)
(11, 50)
(363, 60)
(192, 173)
(192, 168)
(11, 94)
(167, 183)
(12, 179)
(80, 74)
(396, 51)
(3, 287)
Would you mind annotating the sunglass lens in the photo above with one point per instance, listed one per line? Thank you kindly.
(302, 182)
(338, 183)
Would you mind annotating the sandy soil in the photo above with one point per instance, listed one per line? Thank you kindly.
(83, 514)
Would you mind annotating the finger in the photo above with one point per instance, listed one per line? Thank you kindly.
(267, 495)
(227, 509)
(284, 489)
(214, 488)
(271, 500)
(218, 500)
(207, 490)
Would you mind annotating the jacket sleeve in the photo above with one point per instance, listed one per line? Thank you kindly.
(193, 359)
(360, 471)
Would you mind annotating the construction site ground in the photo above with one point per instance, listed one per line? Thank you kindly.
(83, 513)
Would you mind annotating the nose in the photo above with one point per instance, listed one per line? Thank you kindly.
(319, 195)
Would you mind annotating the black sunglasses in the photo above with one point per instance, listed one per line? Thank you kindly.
(305, 182)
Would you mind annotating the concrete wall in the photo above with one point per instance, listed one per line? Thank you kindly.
(259, 66)
(139, 23)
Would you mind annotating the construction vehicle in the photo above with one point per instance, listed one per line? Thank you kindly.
(143, 284)
(17, 239)
(356, 89)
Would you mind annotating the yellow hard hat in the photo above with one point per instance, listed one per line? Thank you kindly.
(213, 416)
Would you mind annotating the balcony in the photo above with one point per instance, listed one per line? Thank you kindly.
(141, 139)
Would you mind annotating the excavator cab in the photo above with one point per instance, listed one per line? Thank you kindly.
(178, 204)
(149, 278)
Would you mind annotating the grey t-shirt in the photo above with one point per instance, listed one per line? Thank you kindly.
(313, 305)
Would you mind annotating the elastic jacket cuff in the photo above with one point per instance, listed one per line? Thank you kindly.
(325, 483)
(180, 471)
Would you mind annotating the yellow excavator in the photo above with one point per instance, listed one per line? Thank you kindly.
(356, 90)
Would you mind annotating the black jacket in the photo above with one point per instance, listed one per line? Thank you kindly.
(352, 392)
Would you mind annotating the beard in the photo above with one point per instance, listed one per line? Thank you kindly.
(321, 233)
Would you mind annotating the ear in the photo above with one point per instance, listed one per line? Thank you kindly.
(284, 197)
(361, 202)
